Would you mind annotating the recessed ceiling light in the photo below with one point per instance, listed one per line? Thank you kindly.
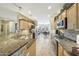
(49, 7)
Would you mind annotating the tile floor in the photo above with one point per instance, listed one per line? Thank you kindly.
(44, 46)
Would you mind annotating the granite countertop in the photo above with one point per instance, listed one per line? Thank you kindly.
(10, 45)
(66, 44)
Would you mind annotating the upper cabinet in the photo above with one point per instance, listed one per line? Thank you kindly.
(72, 17)
(78, 17)
(64, 14)
(25, 23)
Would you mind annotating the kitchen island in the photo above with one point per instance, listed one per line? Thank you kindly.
(14, 46)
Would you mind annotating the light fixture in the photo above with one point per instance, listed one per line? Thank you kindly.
(49, 7)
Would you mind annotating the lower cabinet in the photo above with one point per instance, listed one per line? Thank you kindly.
(31, 51)
(66, 53)
(62, 51)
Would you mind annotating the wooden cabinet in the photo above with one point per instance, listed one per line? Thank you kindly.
(23, 24)
(64, 14)
(72, 17)
(62, 51)
(32, 50)
(66, 53)
(78, 16)
(72, 14)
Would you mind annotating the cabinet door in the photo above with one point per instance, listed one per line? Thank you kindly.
(60, 50)
(78, 18)
(66, 53)
(31, 51)
(71, 17)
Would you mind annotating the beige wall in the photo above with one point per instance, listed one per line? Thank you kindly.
(71, 16)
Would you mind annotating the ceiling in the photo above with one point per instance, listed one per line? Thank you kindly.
(39, 11)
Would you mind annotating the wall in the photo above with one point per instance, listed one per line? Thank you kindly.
(5, 26)
(12, 26)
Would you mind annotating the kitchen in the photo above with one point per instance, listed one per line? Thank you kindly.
(57, 26)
